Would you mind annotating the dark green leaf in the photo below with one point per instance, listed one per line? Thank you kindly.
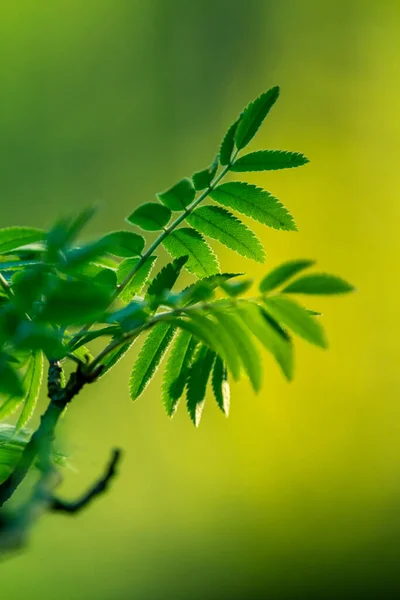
(179, 196)
(228, 144)
(269, 160)
(203, 179)
(150, 356)
(297, 319)
(254, 115)
(189, 242)
(124, 243)
(244, 346)
(15, 237)
(10, 382)
(107, 278)
(177, 370)
(282, 273)
(197, 384)
(273, 341)
(75, 302)
(32, 384)
(138, 280)
(319, 283)
(35, 336)
(166, 278)
(237, 288)
(254, 202)
(220, 386)
(218, 223)
(151, 216)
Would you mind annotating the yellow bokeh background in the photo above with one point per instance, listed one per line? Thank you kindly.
(298, 493)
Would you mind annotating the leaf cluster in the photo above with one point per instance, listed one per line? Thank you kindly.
(62, 299)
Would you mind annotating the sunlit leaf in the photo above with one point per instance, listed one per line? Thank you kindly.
(254, 202)
(197, 383)
(319, 283)
(218, 223)
(189, 242)
(282, 273)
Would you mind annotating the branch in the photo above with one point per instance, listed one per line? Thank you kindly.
(101, 486)
(40, 442)
(161, 238)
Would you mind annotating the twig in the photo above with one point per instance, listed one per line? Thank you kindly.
(58, 505)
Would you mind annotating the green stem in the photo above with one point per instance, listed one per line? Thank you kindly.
(162, 237)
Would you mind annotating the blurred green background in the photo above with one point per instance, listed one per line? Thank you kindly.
(298, 493)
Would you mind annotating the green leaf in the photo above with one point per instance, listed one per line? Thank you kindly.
(151, 216)
(189, 242)
(10, 382)
(124, 243)
(35, 336)
(254, 115)
(15, 237)
(280, 348)
(254, 202)
(212, 335)
(237, 288)
(244, 346)
(82, 353)
(150, 356)
(220, 386)
(179, 196)
(32, 384)
(138, 280)
(197, 384)
(93, 335)
(269, 160)
(282, 273)
(75, 302)
(218, 223)
(319, 283)
(177, 370)
(107, 278)
(228, 145)
(297, 319)
(166, 278)
(203, 179)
